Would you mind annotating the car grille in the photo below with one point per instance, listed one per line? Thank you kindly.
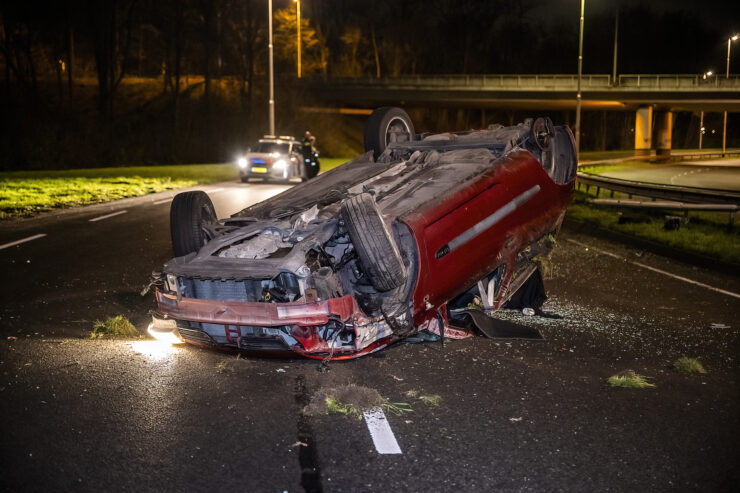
(204, 289)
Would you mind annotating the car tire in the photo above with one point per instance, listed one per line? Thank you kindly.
(379, 257)
(188, 213)
(245, 179)
(382, 124)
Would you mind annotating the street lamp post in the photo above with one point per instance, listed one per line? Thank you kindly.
(724, 125)
(298, 29)
(580, 70)
(701, 118)
(272, 78)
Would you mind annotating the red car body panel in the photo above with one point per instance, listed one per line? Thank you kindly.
(447, 217)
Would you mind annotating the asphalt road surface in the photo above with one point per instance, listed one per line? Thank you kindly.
(720, 175)
(133, 415)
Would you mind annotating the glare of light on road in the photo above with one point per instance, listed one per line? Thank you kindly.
(154, 350)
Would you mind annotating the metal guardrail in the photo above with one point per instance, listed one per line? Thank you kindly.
(646, 82)
(658, 191)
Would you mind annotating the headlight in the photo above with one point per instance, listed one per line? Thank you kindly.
(242, 162)
(280, 164)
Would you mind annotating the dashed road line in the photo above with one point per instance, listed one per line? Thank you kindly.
(659, 271)
(18, 242)
(216, 190)
(163, 201)
(100, 218)
(380, 431)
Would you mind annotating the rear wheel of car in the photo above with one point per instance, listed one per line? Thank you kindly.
(387, 124)
(189, 212)
(379, 257)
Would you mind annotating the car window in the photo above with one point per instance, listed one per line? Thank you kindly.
(271, 147)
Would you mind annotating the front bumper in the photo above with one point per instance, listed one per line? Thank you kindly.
(272, 326)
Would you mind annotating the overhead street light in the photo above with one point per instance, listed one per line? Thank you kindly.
(272, 78)
(298, 32)
(727, 76)
(580, 71)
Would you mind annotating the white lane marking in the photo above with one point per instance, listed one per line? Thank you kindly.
(216, 190)
(163, 201)
(100, 218)
(674, 276)
(380, 431)
(18, 242)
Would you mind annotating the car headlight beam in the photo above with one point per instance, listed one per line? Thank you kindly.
(242, 162)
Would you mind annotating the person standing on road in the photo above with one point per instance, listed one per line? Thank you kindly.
(310, 156)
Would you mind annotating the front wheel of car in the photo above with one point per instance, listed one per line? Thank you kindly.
(379, 257)
(190, 212)
(385, 126)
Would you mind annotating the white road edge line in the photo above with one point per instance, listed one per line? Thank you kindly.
(18, 242)
(674, 276)
(163, 201)
(380, 431)
(100, 218)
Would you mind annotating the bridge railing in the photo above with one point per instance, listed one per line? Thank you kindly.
(551, 81)
(677, 81)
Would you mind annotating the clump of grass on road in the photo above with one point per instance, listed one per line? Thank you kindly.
(351, 400)
(432, 400)
(691, 366)
(117, 326)
(630, 380)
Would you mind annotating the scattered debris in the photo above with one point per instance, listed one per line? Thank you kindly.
(222, 366)
(689, 365)
(12, 338)
(629, 379)
(528, 311)
(299, 444)
(515, 420)
(117, 326)
(411, 393)
(714, 326)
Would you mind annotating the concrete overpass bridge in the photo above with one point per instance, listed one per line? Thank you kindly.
(653, 97)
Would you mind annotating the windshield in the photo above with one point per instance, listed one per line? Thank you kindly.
(267, 147)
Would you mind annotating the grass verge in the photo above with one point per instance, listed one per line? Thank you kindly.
(692, 366)
(117, 326)
(26, 193)
(630, 380)
(705, 233)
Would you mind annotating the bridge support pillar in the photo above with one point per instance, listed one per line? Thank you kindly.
(663, 133)
(643, 130)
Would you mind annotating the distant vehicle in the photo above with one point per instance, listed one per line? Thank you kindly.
(390, 244)
(277, 158)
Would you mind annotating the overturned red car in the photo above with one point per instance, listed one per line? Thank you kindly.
(373, 251)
